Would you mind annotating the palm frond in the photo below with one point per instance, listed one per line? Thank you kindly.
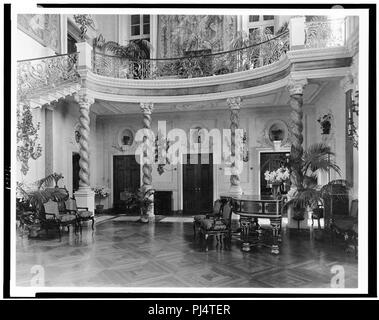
(319, 157)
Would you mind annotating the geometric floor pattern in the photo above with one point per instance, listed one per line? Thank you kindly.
(131, 254)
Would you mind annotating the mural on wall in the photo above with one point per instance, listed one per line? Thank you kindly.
(44, 28)
(182, 33)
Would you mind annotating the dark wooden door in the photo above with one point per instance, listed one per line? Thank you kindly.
(197, 186)
(271, 161)
(126, 176)
(75, 171)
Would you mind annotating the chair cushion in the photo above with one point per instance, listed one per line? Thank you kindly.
(345, 223)
(66, 217)
(85, 214)
(212, 225)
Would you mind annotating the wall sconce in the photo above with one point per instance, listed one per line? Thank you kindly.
(352, 128)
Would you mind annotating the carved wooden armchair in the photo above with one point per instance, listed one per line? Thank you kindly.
(216, 211)
(219, 226)
(82, 213)
(53, 218)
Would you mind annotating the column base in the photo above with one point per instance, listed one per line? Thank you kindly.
(85, 197)
(235, 191)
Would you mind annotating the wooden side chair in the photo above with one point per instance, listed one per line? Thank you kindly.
(53, 218)
(82, 213)
(219, 226)
(216, 211)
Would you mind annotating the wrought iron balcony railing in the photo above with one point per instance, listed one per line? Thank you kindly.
(325, 33)
(39, 76)
(195, 64)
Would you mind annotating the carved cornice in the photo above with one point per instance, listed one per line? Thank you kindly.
(347, 83)
(147, 107)
(234, 103)
(296, 86)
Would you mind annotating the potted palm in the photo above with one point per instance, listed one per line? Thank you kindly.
(31, 198)
(305, 194)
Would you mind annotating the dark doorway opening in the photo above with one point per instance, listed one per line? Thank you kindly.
(197, 185)
(75, 171)
(126, 177)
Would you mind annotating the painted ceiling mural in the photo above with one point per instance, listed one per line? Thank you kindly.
(44, 28)
(182, 33)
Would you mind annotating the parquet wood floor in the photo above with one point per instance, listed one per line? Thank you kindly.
(165, 254)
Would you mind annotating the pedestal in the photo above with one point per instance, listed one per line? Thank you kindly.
(292, 223)
(85, 197)
(235, 191)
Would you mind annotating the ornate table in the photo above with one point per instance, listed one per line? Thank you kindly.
(252, 207)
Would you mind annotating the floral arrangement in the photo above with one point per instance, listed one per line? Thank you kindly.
(325, 123)
(277, 176)
(101, 191)
(27, 138)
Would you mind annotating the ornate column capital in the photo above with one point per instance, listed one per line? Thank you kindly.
(84, 99)
(147, 107)
(296, 86)
(234, 103)
(347, 83)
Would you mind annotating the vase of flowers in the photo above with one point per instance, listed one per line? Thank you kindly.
(276, 179)
(101, 192)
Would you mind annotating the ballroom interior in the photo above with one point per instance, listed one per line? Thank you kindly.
(92, 211)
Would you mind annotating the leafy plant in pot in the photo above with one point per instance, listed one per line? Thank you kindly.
(101, 192)
(305, 193)
(30, 200)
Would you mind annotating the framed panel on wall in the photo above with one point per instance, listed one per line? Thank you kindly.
(44, 28)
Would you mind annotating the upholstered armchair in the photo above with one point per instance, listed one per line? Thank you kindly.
(53, 218)
(216, 211)
(82, 213)
(218, 226)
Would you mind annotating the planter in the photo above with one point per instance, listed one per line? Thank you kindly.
(99, 208)
(297, 218)
(34, 230)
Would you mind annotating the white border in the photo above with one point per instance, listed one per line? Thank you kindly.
(27, 7)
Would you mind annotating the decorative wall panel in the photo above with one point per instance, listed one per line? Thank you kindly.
(44, 28)
(180, 33)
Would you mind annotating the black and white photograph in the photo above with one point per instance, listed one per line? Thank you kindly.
(213, 150)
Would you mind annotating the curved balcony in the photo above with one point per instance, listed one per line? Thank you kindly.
(313, 49)
(195, 64)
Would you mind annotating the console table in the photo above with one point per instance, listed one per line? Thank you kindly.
(252, 207)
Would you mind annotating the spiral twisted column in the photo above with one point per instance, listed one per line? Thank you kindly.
(234, 104)
(85, 197)
(296, 88)
(147, 109)
(85, 103)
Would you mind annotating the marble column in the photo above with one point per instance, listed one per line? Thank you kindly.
(84, 196)
(147, 109)
(296, 89)
(234, 104)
